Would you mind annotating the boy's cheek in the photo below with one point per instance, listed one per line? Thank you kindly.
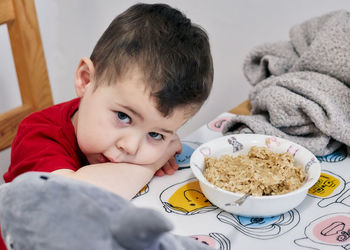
(93, 141)
(154, 156)
(150, 158)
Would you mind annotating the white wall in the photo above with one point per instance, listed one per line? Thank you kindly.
(70, 29)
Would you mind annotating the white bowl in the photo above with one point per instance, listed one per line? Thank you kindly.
(254, 206)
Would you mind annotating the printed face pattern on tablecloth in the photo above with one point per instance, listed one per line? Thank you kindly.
(337, 156)
(143, 191)
(214, 240)
(185, 198)
(264, 227)
(328, 230)
(331, 189)
(218, 124)
(183, 159)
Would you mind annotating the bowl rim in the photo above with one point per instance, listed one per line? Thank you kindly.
(305, 186)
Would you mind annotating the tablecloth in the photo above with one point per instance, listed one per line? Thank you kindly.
(321, 221)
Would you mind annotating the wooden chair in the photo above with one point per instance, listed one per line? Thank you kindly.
(28, 55)
(242, 109)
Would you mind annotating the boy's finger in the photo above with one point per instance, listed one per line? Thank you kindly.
(159, 172)
(173, 163)
(168, 168)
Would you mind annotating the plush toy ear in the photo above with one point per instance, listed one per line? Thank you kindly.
(140, 228)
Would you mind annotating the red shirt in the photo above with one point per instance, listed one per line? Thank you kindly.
(46, 141)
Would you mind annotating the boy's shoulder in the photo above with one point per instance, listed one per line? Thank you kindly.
(55, 115)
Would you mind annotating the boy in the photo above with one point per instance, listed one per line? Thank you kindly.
(149, 73)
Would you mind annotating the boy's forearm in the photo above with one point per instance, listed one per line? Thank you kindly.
(123, 179)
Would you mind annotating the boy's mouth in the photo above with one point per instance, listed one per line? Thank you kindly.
(103, 159)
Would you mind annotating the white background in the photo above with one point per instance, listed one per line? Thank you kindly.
(70, 29)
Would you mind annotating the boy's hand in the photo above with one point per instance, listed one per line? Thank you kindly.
(171, 166)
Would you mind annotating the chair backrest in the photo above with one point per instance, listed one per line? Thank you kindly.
(28, 56)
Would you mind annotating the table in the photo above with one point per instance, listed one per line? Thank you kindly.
(321, 221)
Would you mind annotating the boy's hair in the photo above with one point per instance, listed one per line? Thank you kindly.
(172, 53)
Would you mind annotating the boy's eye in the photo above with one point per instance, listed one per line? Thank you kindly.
(156, 136)
(123, 117)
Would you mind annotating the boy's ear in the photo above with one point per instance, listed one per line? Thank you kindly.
(83, 76)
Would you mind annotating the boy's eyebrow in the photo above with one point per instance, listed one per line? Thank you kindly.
(141, 117)
(132, 111)
(166, 131)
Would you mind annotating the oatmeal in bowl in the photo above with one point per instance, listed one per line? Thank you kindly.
(274, 174)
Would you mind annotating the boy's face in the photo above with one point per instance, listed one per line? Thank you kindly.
(120, 123)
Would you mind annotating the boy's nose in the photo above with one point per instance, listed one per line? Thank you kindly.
(129, 143)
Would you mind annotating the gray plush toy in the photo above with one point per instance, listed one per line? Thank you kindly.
(44, 211)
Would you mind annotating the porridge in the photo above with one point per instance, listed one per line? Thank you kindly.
(261, 172)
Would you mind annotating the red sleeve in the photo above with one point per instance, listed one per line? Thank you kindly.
(41, 147)
(2, 244)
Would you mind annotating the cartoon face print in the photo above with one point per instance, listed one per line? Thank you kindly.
(218, 124)
(214, 240)
(262, 227)
(309, 164)
(292, 150)
(143, 191)
(331, 189)
(185, 198)
(337, 156)
(236, 145)
(325, 185)
(205, 151)
(205, 239)
(272, 141)
(335, 228)
(256, 222)
(183, 159)
(331, 230)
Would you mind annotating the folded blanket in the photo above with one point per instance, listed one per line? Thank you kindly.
(301, 88)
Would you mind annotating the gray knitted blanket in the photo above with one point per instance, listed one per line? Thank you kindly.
(301, 88)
